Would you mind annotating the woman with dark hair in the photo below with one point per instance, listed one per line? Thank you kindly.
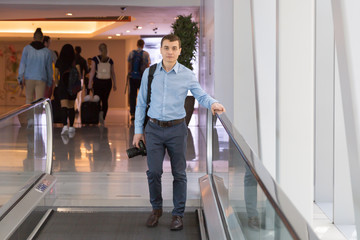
(63, 65)
(102, 75)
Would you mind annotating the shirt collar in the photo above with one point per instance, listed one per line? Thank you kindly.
(175, 68)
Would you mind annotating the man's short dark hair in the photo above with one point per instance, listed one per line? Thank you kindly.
(140, 43)
(38, 35)
(171, 38)
(46, 39)
(77, 49)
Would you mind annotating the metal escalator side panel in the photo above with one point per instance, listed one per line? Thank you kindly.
(24, 207)
(213, 219)
(234, 230)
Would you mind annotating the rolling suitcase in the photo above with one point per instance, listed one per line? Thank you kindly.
(90, 112)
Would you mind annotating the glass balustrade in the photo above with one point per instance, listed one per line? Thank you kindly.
(248, 196)
(24, 145)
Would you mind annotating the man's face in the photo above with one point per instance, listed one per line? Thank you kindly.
(47, 44)
(170, 51)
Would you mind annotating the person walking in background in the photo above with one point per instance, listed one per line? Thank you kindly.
(54, 56)
(83, 71)
(35, 71)
(47, 44)
(81, 62)
(138, 61)
(86, 77)
(102, 79)
(166, 128)
(63, 66)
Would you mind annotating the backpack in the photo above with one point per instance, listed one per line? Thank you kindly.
(137, 64)
(74, 82)
(103, 69)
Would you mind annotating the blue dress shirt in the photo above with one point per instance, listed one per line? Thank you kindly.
(168, 93)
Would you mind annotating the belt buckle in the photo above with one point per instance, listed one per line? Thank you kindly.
(163, 124)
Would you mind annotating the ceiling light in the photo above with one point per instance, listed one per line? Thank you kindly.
(138, 27)
(127, 31)
(109, 37)
(118, 34)
(69, 14)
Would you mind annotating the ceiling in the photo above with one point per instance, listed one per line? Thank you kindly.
(153, 20)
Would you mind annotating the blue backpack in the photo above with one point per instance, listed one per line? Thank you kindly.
(137, 65)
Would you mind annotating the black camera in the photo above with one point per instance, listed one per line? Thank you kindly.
(133, 152)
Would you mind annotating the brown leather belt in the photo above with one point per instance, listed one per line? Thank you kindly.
(166, 123)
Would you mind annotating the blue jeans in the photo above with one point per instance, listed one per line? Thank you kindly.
(174, 140)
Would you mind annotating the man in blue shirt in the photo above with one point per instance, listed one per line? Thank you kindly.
(166, 128)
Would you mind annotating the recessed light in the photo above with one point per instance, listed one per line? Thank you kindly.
(118, 34)
(69, 14)
(109, 37)
(128, 31)
(139, 27)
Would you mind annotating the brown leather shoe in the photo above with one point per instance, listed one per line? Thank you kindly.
(176, 223)
(153, 219)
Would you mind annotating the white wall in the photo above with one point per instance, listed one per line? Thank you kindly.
(324, 100)
(223, 58)
(343, 199)
(226, 65)
(245, 107)
(347, 166)
(264, 15)
(295, 89)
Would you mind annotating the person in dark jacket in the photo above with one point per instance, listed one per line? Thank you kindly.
(64, 63)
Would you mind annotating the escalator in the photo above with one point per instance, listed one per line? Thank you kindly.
(232, 193)
(105, 224)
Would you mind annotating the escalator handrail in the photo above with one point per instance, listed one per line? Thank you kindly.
(299, 229)
(48, 169)
(21, 109)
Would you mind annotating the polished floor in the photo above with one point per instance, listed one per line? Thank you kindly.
(93, 170)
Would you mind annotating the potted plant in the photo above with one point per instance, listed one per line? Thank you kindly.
(187, 30)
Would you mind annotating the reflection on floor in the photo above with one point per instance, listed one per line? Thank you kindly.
(93, 169)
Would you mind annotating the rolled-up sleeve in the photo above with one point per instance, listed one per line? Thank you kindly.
(203, 98)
